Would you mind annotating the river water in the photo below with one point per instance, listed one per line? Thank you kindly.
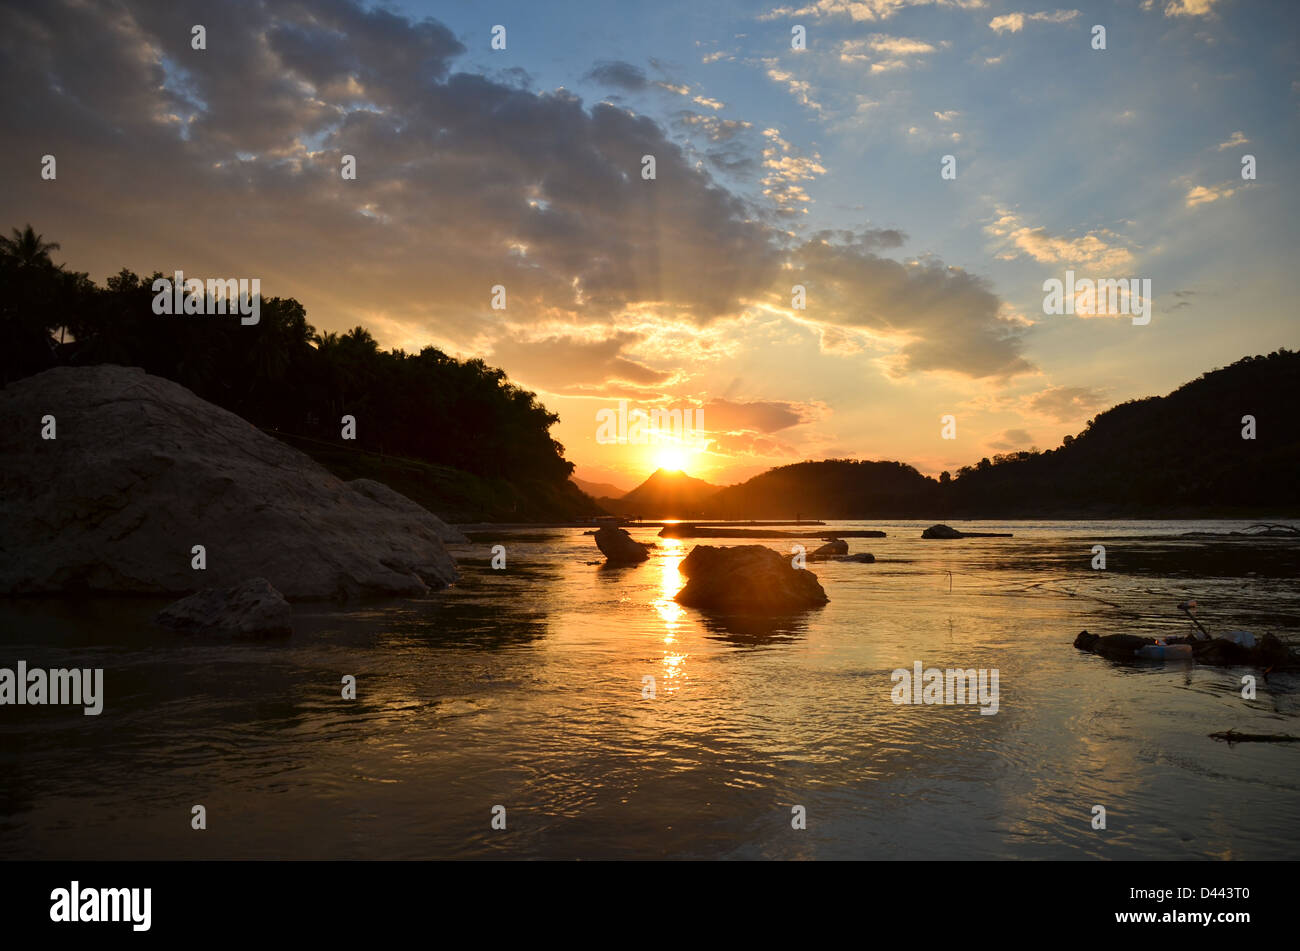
(525, 688)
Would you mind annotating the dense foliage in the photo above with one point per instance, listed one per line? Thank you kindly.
(1179, 452)
(279, 373)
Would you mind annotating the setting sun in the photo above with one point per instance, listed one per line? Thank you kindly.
(671, 457)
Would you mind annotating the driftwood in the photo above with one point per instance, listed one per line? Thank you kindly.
(1232, 736)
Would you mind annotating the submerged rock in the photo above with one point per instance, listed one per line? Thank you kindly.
(252, 609)
(945, 531)
(838, 550)
(142, 470)
(619, 547)
(748, 579)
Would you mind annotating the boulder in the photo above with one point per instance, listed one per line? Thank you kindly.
(837, 549)
(251, 609)
(378, 492)
(619, 547)
(142, 470)
(747, 579)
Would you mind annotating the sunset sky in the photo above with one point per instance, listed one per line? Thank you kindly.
(774, 167)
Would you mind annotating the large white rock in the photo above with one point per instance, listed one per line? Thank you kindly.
(142, 470)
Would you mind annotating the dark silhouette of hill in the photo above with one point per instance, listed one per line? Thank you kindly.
(1180, 455)
(833, 488)
(666, 494)
(1176, 454)
(599, 490)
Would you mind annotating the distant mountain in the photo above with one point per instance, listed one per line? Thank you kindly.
(1181, 455)
(598, 489)
(666, 494)
(834, 488)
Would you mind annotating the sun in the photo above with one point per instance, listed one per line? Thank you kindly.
(672, 458)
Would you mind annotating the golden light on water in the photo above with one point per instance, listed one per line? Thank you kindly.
(670, 582)
(670, 612)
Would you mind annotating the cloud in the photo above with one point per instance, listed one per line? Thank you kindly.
(1011, 439)
(1011, 22)
(1067, 404)
(1200, 195)
(717, 130)
(631, 78)
(760, 416)
(799, 88)
(898, 45)
(1095, 249)
(619, 74)
(838, 341)
(565, 363)
(786, 172)
(749, 444)
(1184, 8)
(1015, 22)
(1237, 138)
(932, 316)
(885, 53)
(863, 10)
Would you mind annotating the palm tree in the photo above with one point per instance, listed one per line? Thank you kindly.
(29, 248)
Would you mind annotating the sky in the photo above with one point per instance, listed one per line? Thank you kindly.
(821, 167)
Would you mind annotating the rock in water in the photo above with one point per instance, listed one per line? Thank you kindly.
(747, 579)
(834, 547)
(252, 609)
(619, 547)
(944, 531)
(142, 470)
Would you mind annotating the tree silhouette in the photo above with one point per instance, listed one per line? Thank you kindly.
(29, 248)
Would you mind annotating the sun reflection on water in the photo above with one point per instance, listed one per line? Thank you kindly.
(671, 613)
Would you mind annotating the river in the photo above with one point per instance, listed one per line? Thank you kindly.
(526, 688)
